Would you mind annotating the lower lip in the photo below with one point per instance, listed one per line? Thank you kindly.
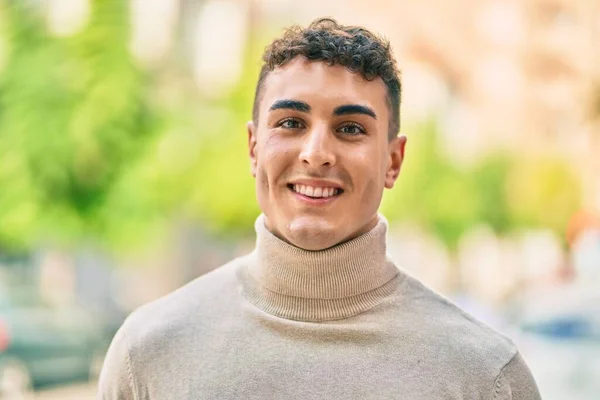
(315, 201)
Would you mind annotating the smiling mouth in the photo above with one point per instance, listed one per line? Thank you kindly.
(315, 192)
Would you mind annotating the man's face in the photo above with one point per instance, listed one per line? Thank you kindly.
(320, 153)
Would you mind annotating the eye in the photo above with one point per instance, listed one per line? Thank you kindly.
(352, 129)
(290, 123)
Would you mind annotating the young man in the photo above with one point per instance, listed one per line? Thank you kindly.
(317, 310)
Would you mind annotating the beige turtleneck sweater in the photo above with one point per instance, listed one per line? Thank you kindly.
(286, 323)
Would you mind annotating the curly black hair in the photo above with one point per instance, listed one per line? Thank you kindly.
(354, 47)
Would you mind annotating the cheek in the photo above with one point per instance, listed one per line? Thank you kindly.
(262, 190)
(262, 180)
(372, 192)
(369, 174)
(272, 163)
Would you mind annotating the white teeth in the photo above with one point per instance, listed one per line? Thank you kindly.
(316, 191)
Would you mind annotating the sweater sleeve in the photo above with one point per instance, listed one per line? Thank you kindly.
(515, 382)
(116, 378)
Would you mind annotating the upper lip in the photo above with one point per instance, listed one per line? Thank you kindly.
(316, 183)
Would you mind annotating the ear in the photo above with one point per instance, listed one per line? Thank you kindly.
(396, 157)
(252, 146)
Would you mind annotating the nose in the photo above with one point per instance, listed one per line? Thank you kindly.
(318, 148)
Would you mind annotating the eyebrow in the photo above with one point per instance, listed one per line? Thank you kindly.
(290, 105)
(348, 109)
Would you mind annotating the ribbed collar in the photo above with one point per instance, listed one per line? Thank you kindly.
(335, 283)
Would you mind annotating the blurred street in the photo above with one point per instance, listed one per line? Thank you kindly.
(70, 392)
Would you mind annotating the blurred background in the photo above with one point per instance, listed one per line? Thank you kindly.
(124, 170)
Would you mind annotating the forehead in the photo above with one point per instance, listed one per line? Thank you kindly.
(320, 84)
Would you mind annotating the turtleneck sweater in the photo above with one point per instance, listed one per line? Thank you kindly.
(331, 284)
(287, 323)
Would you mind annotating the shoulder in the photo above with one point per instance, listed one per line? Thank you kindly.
(466, 352)
(167, 323)
(165, 330)
(515, 382)
(186, 305)
(456, 338)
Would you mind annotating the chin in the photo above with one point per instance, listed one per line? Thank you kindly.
(314, 243)
(313, 233)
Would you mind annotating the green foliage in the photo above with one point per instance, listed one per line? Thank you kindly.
(489, 179)
(202, 169)
(73, 117)
(502, 190)
(224, 196)
(543, 192)
(431, 190)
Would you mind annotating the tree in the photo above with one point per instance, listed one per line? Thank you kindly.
(73, 120)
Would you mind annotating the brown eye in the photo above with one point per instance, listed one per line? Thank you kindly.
(290, 123)
(352, 130)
